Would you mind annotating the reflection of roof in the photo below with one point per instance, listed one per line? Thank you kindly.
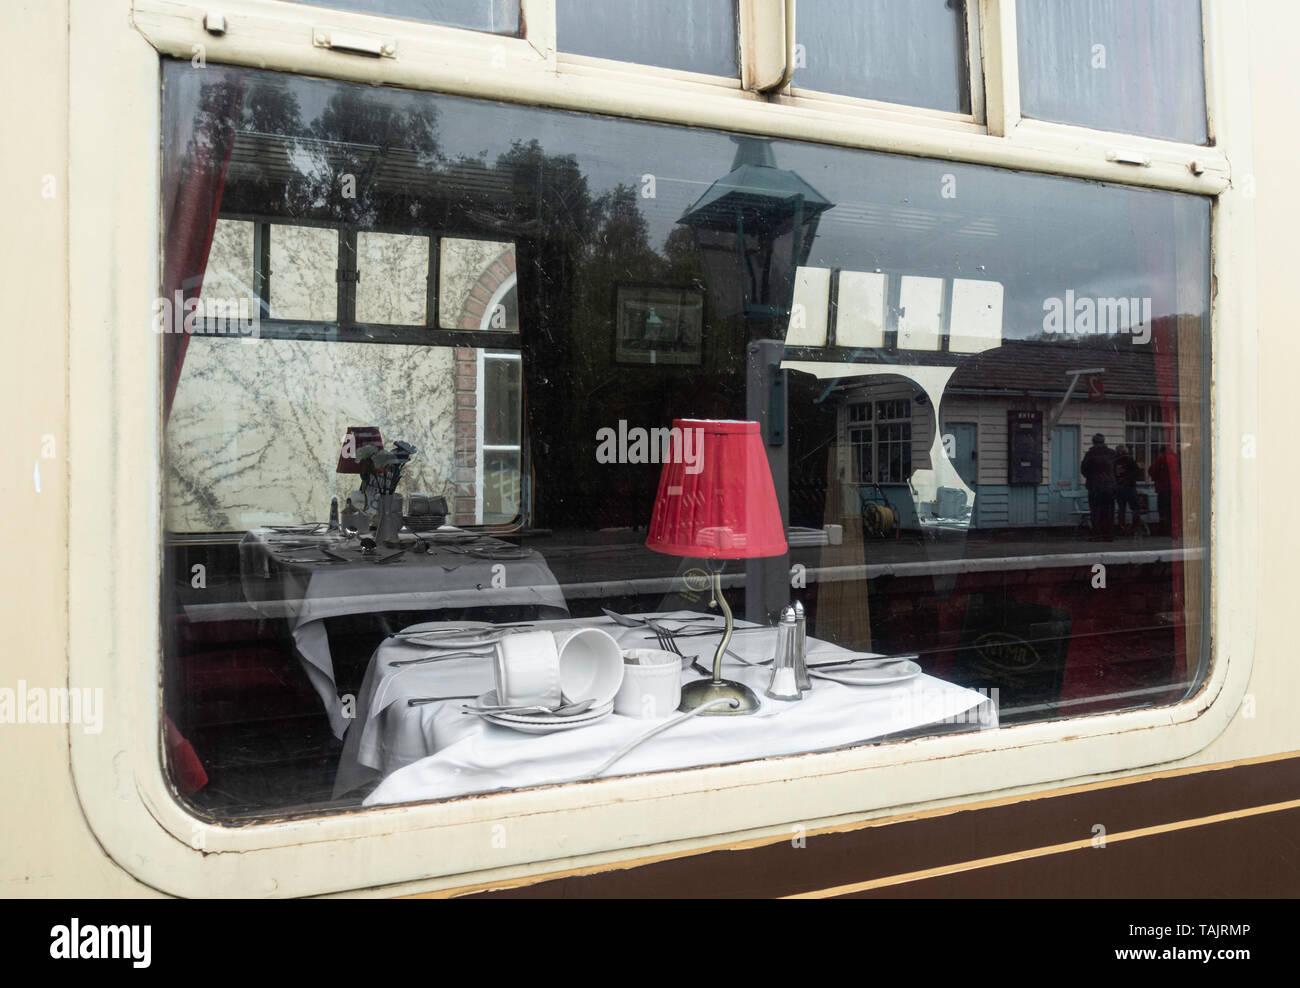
(275, 159)
(753, 190)
(1042, 367)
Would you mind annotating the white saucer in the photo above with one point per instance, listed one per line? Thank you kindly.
(542, 723)
(866, 675)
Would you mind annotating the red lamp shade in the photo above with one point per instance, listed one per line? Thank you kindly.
(716, 499)
(357, 436)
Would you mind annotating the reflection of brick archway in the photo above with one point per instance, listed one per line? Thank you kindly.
(474, 315)
(485, 289)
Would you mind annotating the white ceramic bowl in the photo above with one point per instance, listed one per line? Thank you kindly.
(591, 664)
(528, 669)
(652, 687)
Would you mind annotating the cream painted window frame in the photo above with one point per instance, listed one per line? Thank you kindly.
(115, 443)
(974, 14)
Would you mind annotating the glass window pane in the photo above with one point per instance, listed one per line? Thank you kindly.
(1067, 274)
(500, 486)
(496, 16)
(897, 51)
(303, 282)
(267, 455)
(692, 35)
(1133, 66)
(230, 261)
(394, 278)
(501, 401)
(476, 281)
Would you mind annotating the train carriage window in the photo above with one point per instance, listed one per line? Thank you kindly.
(948, 382)
(1134, 66)
(691, 35)
(899, 51)
(494, 16)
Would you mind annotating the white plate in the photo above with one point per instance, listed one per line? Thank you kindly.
(869, 675)
(542, 723)
(530, 728)
(826, 657)
(460, 634)
(489, 699)
(448, 643)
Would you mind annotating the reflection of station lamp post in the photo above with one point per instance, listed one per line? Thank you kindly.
(753, 228)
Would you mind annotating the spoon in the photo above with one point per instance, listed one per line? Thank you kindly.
(416, 701)
(563, 710)
(652, 623)
(441, 656)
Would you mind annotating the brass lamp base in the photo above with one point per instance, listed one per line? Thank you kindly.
(702, 691)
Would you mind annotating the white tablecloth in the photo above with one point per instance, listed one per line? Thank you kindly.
(434, 750)
(308, 592)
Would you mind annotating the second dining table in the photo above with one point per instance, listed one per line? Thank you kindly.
(307, 573)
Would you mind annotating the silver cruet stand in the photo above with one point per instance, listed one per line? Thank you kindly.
(785, 682)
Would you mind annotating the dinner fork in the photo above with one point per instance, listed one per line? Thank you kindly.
(667, 641)
(668, 645)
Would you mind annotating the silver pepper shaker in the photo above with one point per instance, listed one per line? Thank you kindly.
(785, 683)
(801, 648)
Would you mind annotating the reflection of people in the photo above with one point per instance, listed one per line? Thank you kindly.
(1098, 469)
(1165, 474)
(1127, 475)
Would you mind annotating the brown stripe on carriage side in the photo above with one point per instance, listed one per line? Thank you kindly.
(1111, 839)
(914, 842)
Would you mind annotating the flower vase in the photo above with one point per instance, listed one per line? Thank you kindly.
(390, 518)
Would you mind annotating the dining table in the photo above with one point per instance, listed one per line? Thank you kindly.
(308, 573)
(404, 751)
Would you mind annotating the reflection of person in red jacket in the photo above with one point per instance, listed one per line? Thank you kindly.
(1165, 475)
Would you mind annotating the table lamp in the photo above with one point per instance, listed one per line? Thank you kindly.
(716, 501)
(354, 439)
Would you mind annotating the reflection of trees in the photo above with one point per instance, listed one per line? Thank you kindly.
(364, 159)
(574, 244)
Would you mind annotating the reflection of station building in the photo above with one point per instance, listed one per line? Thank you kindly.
(951, 424)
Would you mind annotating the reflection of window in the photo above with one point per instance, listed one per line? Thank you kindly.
(692, 35)
(339, 282)
(1134, 66)
(883, 449)
(495, 16)
(302, 273)
(912, 52)
(392, 278)
(1146, 430)
(475, 278)
(501, 449)
(230, 261)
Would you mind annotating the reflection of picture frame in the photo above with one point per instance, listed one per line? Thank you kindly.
(658, 324)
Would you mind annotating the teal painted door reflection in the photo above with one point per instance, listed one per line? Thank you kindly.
(1065, 473)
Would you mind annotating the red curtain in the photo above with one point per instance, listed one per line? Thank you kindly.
(192, 190)
(191, 200)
